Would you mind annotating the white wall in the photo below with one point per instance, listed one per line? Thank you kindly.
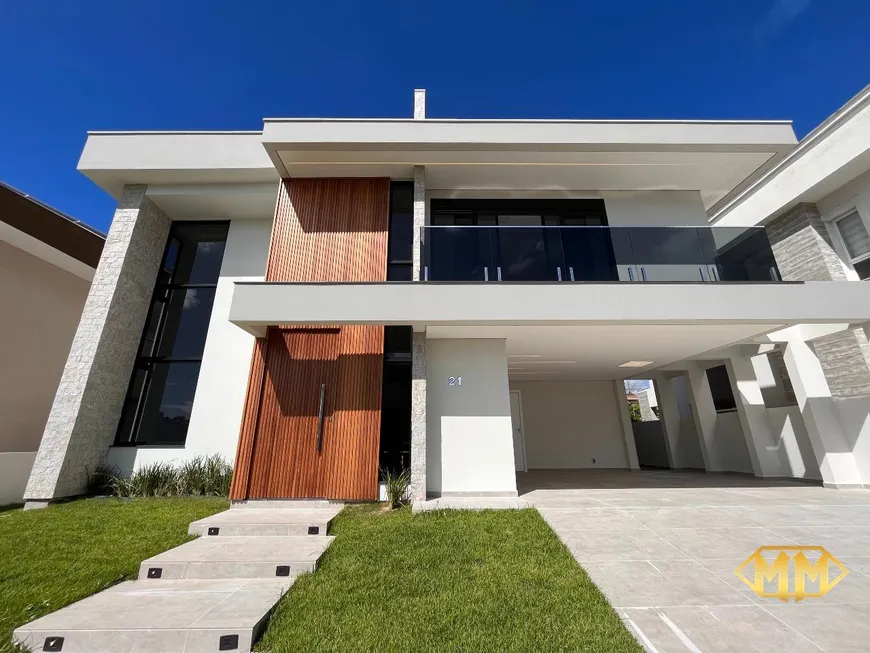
(854, 415)
(792, 451)
(469, 441)
(14, 472)
(655, 208)
(40, 308)
(729, 446)
(216, 416)
(570, 423)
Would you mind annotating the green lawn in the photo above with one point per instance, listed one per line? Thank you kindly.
(53, 557)
(446, 581)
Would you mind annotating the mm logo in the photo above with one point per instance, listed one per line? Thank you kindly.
(791, 572)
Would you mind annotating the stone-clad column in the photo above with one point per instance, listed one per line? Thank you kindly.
(804, 252)
(418, 353)
(418, 418)
(419, 220)
(84, 416)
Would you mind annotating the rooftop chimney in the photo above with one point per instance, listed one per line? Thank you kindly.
(419, 104)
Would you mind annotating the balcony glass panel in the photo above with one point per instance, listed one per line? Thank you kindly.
(668, 254)
(519, 253)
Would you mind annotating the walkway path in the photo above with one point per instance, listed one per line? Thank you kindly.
(212, 594)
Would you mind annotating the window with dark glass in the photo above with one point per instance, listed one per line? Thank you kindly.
(720, 388)
(395, 453)
(400, 242)
(160, 396)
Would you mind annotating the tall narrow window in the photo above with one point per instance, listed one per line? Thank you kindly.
(395, 454)
(160, 395)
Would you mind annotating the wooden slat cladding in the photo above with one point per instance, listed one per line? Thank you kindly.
(250, 417)
(324, 230)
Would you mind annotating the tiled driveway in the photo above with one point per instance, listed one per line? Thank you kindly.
(663, 547)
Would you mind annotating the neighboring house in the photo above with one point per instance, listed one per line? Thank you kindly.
(461, 297)
(47, 261)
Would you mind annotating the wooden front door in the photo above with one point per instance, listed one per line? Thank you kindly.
(292, 432)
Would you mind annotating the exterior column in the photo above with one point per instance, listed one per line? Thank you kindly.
(704, 414)
(669, 417)
(419, 221)
(627, 429)
(750, 410)
(418, 417)
(827, 438)
(84, 417)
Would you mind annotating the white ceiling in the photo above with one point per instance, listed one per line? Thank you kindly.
(595, 352)
(714, 174)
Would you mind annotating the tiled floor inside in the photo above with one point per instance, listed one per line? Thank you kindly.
(663, 547)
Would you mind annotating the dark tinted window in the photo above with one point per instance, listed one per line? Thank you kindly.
(160, 395)
(720, 388)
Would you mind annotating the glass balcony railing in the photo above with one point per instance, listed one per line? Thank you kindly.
(567, 254)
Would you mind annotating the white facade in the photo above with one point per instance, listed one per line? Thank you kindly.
(564, 347)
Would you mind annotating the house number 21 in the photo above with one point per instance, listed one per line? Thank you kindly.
(454, 380)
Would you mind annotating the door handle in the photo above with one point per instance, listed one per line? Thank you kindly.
(320, 417)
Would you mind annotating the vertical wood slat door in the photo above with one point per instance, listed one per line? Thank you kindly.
(324, 230)
(286, 453)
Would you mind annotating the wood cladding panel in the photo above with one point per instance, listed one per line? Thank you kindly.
(324, 230)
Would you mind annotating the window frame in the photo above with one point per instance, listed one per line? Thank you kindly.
(840, 242)
(146, 362)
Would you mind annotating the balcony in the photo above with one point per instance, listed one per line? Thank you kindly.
(597, 254)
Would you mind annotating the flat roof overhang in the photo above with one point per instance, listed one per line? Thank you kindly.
(257, 305)
(712, 157)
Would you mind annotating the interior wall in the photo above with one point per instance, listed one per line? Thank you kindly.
(571, 425)
(41, 305)
(658, 207)
(469, 439)
(220, 392)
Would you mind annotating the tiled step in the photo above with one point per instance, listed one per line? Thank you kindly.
(264, 556)
(181, 616)
(256, 521)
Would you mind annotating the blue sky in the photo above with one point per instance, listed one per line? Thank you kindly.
(69, 67)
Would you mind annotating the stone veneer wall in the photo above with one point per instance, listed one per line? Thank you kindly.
(84, 416)
(418, 418)
(804, 252)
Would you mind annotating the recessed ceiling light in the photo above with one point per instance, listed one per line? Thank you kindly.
(524, 356)
(549, 362)
(535, 373)
(636, 364)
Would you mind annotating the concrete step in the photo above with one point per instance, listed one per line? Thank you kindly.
(181, 616)
(262, 556)
(251, 521)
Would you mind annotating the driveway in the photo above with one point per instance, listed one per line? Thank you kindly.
(663, 547)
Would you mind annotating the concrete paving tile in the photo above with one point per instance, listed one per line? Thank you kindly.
(589, 518)
(844, 628)
(717, 629)
(691, 516)
(839, 541)
(661, 583)
(731, 543)
(798, 516)
(620, 545)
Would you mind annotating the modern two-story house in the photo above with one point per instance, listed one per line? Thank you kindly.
(465, 298)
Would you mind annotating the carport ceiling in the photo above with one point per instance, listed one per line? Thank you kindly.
(596, 352)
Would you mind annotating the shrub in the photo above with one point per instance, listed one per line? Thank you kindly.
(199, 476)
(397, 486)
